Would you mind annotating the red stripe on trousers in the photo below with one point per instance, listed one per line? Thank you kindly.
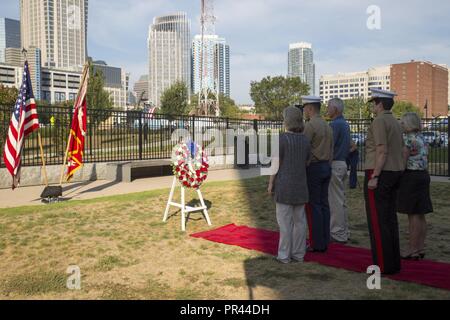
(376, 228)
(309, 218)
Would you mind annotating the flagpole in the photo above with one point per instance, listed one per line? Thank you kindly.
(65, 159)
(85, 70)
(44, 168)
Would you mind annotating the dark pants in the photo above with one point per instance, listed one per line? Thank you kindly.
(381, 209)
(319, 175)
(352, 163)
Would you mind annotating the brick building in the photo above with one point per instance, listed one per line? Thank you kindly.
(422, 83)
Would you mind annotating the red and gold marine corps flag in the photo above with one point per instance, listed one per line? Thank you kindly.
(78, 129)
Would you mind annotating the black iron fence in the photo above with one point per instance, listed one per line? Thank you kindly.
(114, 136)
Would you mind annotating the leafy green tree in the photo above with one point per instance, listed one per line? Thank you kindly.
(8, 96)
(227, 106)
(357, 108)
(97, 97)
(272, 94)
(402, 107)
(174, 100)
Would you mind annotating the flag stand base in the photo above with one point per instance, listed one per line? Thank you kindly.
(185, 210)
(51, 194)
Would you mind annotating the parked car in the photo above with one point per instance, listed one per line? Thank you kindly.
(444, 139)
(433, 138)
(153, 124)
(438, 125)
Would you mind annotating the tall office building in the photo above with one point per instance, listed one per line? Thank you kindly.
(115, 82)
(35, 66)
(301, 64)
(140, 89)
(422, 83)
(217, 73)
(354, 84)
(169, 47)
(9, 36)
(58, 28)
(13, 56)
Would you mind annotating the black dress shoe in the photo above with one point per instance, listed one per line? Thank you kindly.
(337, 241)
(316, 250)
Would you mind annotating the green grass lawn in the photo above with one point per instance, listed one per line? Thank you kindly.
(124, 251)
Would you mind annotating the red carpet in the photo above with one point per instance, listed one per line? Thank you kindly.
(425, 272)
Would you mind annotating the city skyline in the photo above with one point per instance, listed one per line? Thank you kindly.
(259, 32)
(58, 29)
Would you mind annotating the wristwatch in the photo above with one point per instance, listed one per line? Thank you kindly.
(375, 177)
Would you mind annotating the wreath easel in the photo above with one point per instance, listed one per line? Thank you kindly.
(190, 168)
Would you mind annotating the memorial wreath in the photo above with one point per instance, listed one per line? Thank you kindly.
(190, 164)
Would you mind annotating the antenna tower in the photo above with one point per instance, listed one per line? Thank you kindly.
(208, 98)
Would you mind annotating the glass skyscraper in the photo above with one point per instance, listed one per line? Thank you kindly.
(58, 28)
(9, 36)
(301, 64)
(217, 73)
(169, 47)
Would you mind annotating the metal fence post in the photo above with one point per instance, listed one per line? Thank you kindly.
(140, 134)
(193, 128)
(448, 152)
(90, 135)
(255, 127)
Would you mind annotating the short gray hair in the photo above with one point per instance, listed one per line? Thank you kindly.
(293, 119)
(337, 103)
(411, 122)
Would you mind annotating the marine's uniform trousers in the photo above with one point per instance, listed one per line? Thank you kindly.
(318, 212)
(381, 212)
(381, 203)
(318, 172)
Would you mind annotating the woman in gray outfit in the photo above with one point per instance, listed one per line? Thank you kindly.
(290, 189)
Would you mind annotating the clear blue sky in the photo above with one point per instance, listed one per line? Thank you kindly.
(259, 33)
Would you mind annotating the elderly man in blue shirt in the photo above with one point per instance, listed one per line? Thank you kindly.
(336, 193)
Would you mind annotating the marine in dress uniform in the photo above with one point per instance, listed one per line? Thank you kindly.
(320, 136)
(384, 166)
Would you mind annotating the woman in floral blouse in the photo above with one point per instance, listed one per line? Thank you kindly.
(414, 193)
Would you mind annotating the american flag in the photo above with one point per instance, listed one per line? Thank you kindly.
(24, 121)
(151, 111)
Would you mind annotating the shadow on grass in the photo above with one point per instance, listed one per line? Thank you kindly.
(192, 203)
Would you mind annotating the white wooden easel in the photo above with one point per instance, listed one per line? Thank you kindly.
(185, 210)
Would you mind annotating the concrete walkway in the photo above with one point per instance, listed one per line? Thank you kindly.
(27, 196)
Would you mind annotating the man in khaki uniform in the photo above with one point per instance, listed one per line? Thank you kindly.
(320, 136)
(384, 166)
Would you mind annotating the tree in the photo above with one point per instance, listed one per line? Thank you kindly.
(8, 96)
(227, 106)
(273, 94)
(174, 100)
(97, 97)
(357, 108)
(402, 107)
